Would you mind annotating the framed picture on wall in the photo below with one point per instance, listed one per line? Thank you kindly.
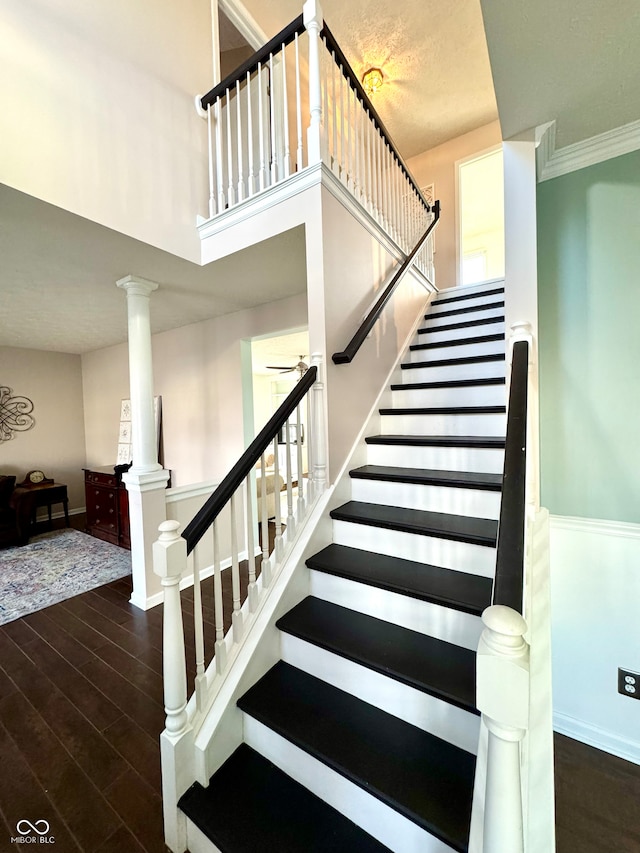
(125, 446)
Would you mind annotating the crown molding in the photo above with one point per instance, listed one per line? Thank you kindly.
(613, 143)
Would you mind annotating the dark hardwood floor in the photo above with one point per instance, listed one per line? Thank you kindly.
(81, 712)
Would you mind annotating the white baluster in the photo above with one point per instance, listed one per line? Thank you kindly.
(312, 18)
(169, 563)
(369, 132)
(236, 615)
(219, 157)
(319, 429)
(335, 165)
(349, 137)
(299, 156)
(231, 200)
(251, 183)
(239, 143)
(212, 196)
(198, 629)
(503, 699)
(265, 566)
(252, 590)
(262, 174)
(218, 604)
(301, 500)
(291, 522)
(274, 163)
(343, 155)
(285, 116)
(310, 447)
(278, 545)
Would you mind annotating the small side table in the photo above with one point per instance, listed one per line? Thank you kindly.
(47, 494)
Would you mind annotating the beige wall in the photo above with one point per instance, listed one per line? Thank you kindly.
(198, 373)
(437, 166)
(98, 115)
(56, 443)
(355, 267)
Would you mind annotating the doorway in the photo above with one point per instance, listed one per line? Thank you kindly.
(481, 218)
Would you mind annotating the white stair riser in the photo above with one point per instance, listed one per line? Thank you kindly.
(479, 302)
(438, 458)
(477, 503)
(456, 351)
(446, 372)
(441, 318)
(493, 425)
(459, 334)
(197, 841)
(467, 395)
(433, 620)
(382, 822)
(426, 712)
(446, 553)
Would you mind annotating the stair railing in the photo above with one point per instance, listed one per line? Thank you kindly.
(265, 124)
(504, 674)
(347, 355)
(236, 516)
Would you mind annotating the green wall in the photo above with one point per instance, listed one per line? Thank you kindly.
(589, 327)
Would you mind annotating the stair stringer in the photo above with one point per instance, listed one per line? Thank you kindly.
(219, 731)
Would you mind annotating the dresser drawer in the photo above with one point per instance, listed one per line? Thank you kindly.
(101, 479)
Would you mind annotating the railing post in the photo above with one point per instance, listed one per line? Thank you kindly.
(313, 22)
(503, 700)
(169, 563)
(318, 426)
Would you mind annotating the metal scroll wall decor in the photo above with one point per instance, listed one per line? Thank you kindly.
(15, 413)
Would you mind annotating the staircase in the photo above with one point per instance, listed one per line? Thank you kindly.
(363, 736)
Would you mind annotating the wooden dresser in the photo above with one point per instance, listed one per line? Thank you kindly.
(107, 506)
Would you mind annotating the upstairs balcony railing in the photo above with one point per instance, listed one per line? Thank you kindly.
(294, 104)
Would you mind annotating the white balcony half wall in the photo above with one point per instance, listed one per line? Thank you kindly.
(98, 114)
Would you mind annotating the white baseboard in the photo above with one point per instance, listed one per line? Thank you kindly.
(597, 737)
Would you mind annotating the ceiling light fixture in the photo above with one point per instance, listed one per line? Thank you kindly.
(372, 80)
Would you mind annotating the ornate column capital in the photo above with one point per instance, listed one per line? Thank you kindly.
(135, 285)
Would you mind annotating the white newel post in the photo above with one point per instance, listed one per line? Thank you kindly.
(313, 21)
(169, 564)
(146, 480)
(503, 700)
(319, 430)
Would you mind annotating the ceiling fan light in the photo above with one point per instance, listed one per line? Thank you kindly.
(372, 80)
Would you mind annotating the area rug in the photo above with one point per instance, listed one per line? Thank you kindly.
(55, 566)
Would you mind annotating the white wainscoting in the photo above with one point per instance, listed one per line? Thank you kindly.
(595, 592)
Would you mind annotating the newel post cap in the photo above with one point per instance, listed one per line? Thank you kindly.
(169, 552)
(312, 13)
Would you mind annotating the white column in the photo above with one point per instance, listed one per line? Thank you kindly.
(146, 480)
(319, 427)
(312, 17)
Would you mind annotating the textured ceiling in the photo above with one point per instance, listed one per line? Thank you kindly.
(437, 79)
(58, 291)
(577, 63)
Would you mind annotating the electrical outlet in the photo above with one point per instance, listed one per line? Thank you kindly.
(629, 683)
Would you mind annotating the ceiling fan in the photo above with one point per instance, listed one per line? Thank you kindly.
(301, 367)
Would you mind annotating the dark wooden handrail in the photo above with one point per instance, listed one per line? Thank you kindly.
(284, 37)
(348, 353)
(204, 518)
(509, 581)
(352, 78)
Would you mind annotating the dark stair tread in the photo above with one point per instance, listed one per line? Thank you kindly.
(445, 410)
(446, 587)
(465, 324)
(449, 383)
(459, 528)
(460, 342)
(423, 777)
(283, 817)
(468, 309)
(491, 442)
(429, 477)
(441, 300)
(447, 362)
